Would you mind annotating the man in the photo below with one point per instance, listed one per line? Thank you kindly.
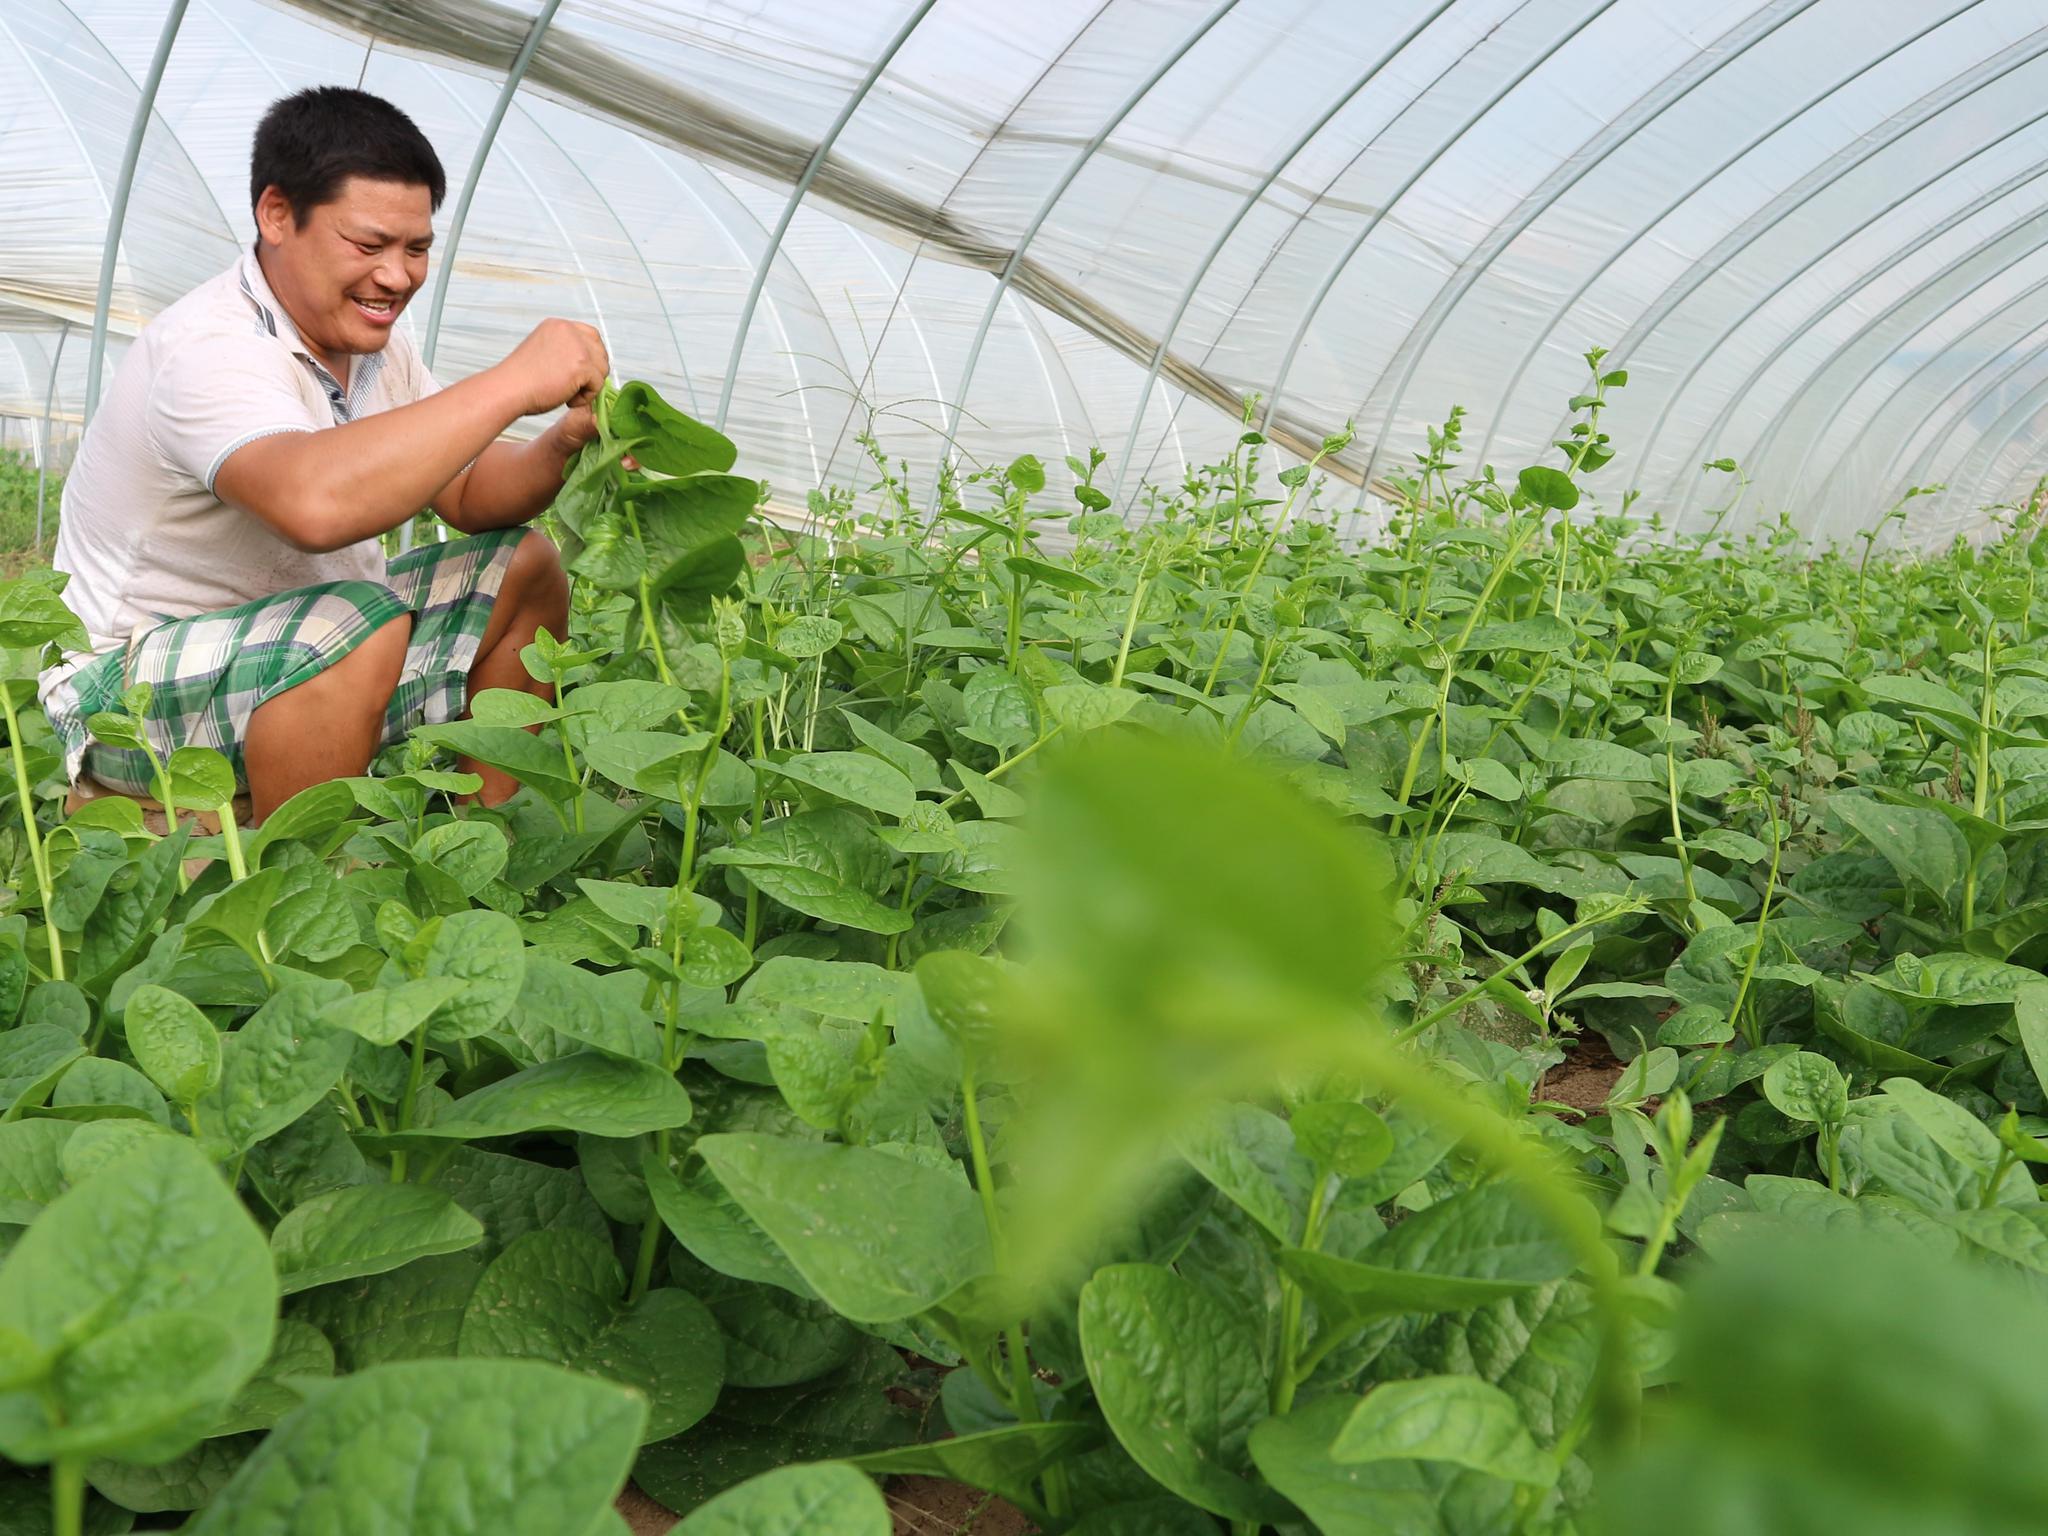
(221, 522)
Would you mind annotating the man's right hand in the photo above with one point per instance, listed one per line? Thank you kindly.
(563, 362)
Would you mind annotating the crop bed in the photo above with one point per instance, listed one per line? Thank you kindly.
(1078, 1023)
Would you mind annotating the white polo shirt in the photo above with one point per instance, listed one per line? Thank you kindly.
(143, 536)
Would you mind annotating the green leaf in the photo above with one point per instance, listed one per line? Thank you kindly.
(993, 799)
(1445, 1418)
(808, 635)
(471, 853)
(1412, 1498)
(32, 615)
(153, 1241)
(1026, 474)
(569, 1007)
(1248, 1153)
(1079, 707)
(388, 1015)
(32, 1058)
(1692, 668)
(776, 1339)
(664, 439)
(533, 762)
(713, 1226)
(839, 989)
(1543, 635)
(880, 1237)
(482, 951)
(456, 1447)
(306, 817)
(1462, 1252)
(298, 1350)
(366, 1230)
(1177, 1374)
(1923, 847)
(1809, 1087)
(913, 762)
(277, 1066)
(587, 1092)
(851, 776)
(999, 711)
(556, 1296)
(824, 1499)
(238, 913)
(1494, 780)
(1003, 1461)
(823, 863)
(1339, 1137)
(172, 1041)
(1916, 695)
(200, 777)
(1044, 573)
(1548, 487)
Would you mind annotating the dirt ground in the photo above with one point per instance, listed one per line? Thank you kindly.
(1585, 1077)
(920, 1506)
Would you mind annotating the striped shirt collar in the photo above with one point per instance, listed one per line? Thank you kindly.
(272, 319)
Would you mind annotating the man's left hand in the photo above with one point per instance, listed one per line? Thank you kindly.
(577, 427)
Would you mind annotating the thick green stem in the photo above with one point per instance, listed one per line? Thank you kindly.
(1981, 787)
(412, 1088)
(38, 856)
(67, 1496)
(1123, 650)
(1023, 1391)
(1287, 1378)
(1671, 792)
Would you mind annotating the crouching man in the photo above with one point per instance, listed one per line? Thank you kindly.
(220, 524)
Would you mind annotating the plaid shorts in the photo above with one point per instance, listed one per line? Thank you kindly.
(210, 673)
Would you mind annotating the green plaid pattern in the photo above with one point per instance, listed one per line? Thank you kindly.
(212, 672)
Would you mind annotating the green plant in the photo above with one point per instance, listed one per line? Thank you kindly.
(1088, 1021)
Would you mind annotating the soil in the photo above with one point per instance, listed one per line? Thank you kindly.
(1585, 1077)
(918, 1506)
(931, 1506)
(644, 1517)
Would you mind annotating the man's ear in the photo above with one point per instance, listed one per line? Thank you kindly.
(274, 217)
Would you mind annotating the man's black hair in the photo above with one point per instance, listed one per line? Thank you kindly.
(308, 144)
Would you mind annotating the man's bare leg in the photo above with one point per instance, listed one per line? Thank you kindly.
(535, 596)
(328, 727)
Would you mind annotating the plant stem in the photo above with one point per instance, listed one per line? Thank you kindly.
(1671, 791)
(1287, 1379)
(1023, 1393)
(412, 1088)
(38, 856)
(67, 1496)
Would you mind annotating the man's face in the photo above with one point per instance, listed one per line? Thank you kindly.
(348, 270)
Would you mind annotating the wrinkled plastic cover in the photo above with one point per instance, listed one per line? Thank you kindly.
(1811, 230)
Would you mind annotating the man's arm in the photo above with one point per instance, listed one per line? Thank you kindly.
(329, 489)
(512, 483)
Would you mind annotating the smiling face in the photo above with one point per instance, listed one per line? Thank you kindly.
(346, 270)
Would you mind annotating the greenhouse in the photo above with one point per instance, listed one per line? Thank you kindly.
(1122, 767)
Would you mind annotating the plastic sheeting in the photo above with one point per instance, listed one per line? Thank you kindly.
(1812, 230)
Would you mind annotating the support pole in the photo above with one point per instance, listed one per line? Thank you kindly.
(513, 77)
(49, 404)
(796, 195)
(117, 211)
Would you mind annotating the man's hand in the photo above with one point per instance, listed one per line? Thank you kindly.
(563, 362)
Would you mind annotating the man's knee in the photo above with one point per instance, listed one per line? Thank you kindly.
(535, 576)
(370, 672)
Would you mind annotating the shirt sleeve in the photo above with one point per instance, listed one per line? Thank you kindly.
(220, 393)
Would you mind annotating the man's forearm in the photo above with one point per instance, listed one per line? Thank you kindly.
(328, 489)
(510, 483)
